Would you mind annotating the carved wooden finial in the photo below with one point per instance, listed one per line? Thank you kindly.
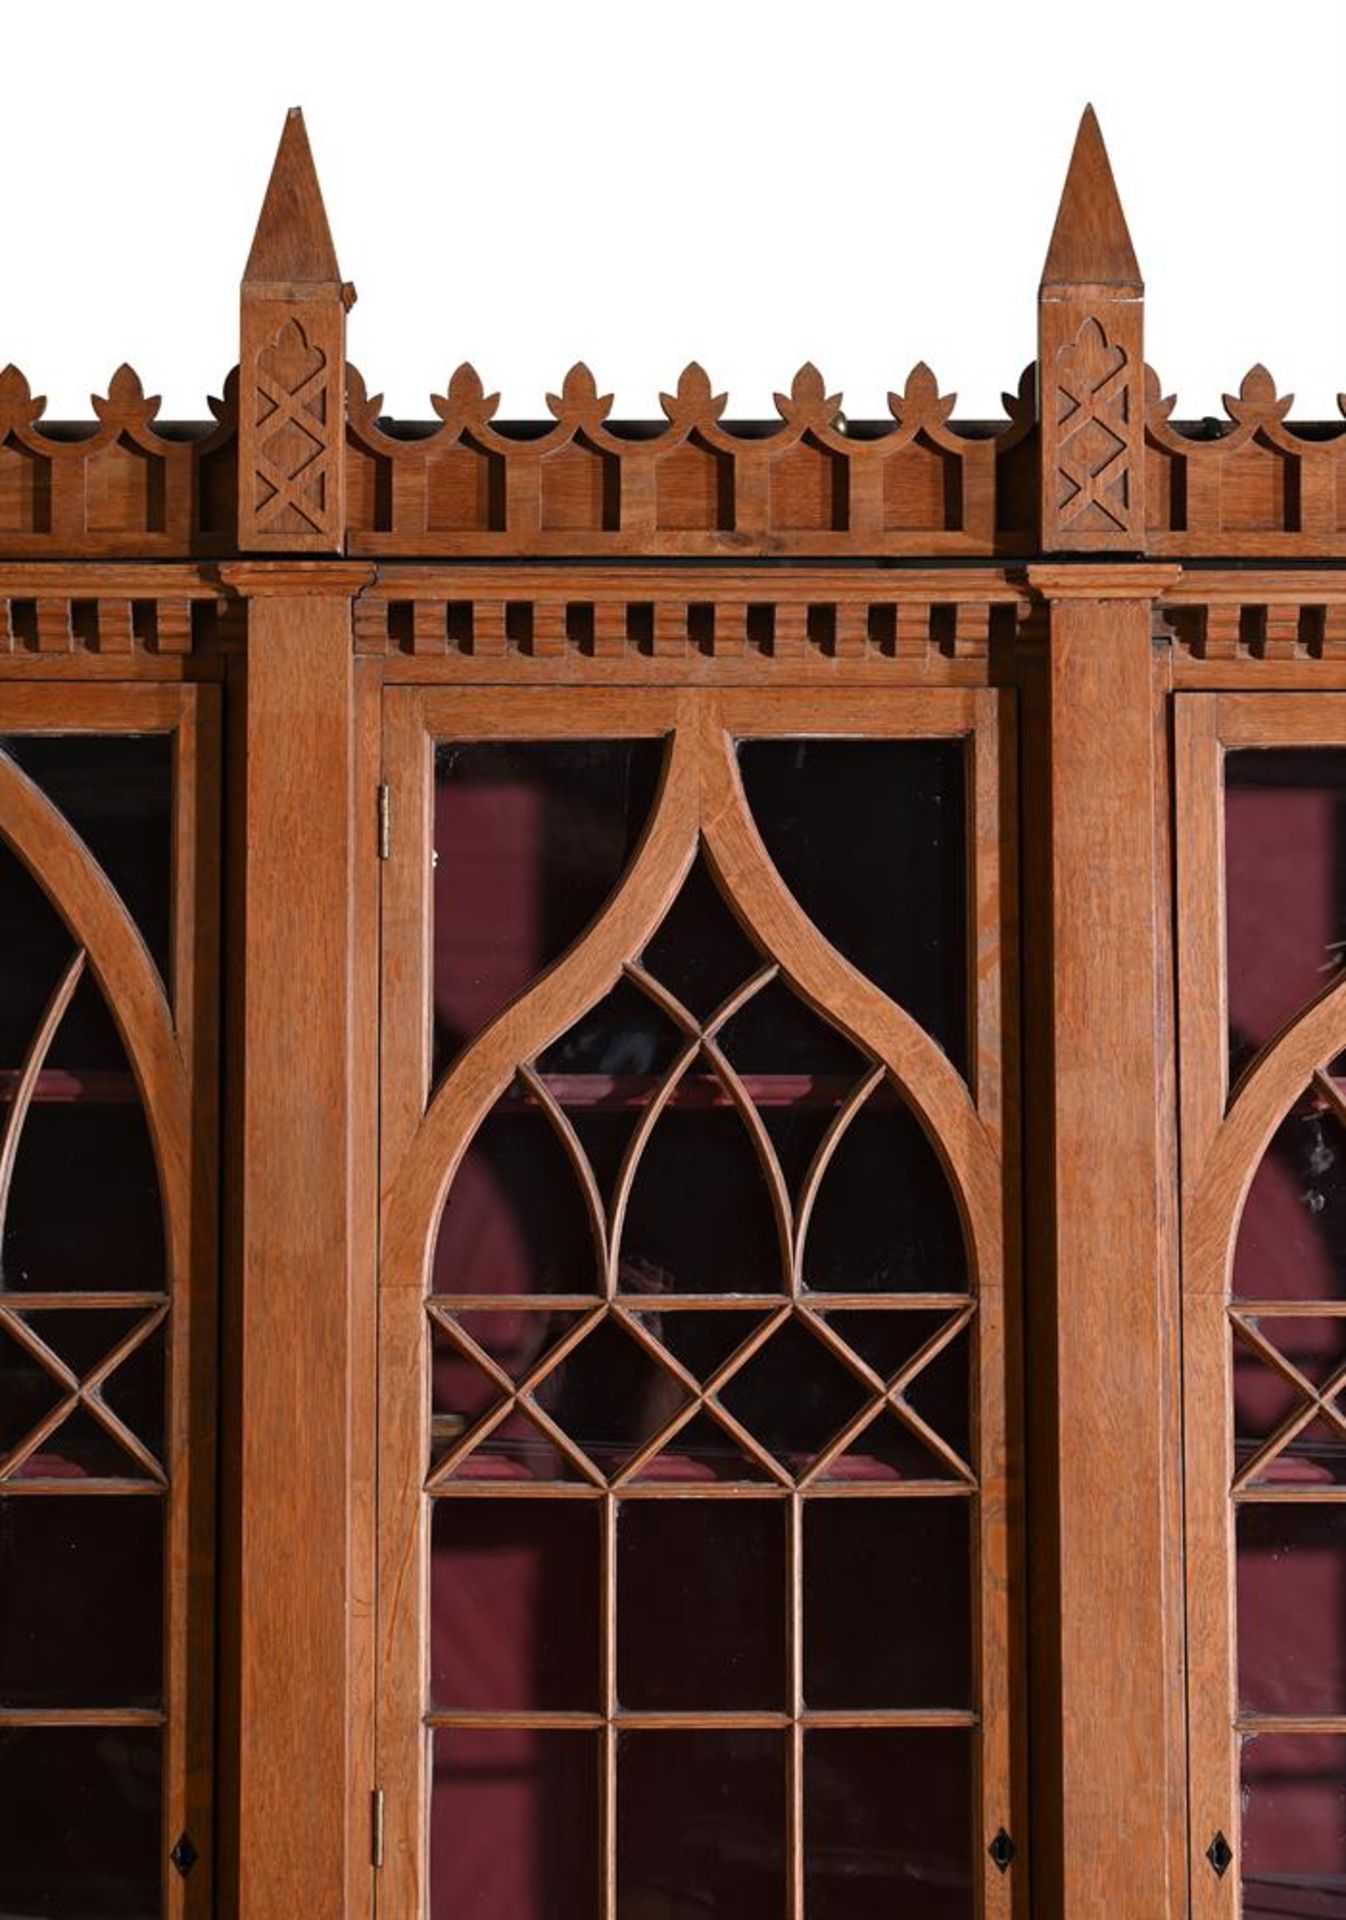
(293, 241)
(1090, 243)
(292, 366)
(1091, 364)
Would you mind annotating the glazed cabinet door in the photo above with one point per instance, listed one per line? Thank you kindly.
(108, 938)
(1262, 933)
(698, 1503)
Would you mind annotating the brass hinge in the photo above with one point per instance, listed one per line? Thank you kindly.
(376, 1826)
(385, 823)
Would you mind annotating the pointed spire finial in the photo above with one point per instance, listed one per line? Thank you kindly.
(292, 367)
(1090, 244)
(293, 240)
(1091, 366)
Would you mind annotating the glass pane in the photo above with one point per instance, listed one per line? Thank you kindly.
(626, 1034)
(462, 1390)
(889, 1448)
(28, 1391)
(798, 1070)
(530, 839)
(1265, 1401)
(1292, 1609)
(701, 1605)
(888, 1825)
(34, 954)
(776, 1033)
(704, 1449)
(701, 1824)
(515, 1220)
(81, 1823)
(605, 1070)
(137, 1392)
(517, 1339)
(88, 1048)
(700, 952)
(885, 1220)
(81, 1603)
(604, 1115)
(797, 1116)
(892, 898)
(514, 1605)
(703, 1341)
(83, 1340)
(116, 790)
(1292, 1238)
(611, 1397)
(514, 1829)
(1285, 885)
(83, 1137)
(83, 1448)
(98, 1155)
(81, 1337)
(794, 1396)
(1294, 1826)
(727, 1240)
(887, 1617)
(938, 1392)
(515, 1449)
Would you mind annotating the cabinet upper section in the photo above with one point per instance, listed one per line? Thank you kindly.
(298, 458)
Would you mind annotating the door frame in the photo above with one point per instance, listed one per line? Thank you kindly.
(421, 1143)
(1224, 1133)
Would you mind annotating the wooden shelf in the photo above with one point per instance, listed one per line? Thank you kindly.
(623, 1092)
(70, 1086)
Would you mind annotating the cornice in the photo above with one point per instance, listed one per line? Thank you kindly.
(1111, 580)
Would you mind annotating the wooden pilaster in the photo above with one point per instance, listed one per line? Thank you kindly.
(1106, 1633)
(1091, 366)
(298, 1238)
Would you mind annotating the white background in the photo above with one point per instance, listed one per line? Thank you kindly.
(526, 183)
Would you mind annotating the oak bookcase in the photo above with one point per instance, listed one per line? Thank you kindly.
(672, 1103)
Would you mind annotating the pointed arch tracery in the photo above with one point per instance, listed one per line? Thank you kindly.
(117, 957)
(107, 1210)
(1264, 1306)
(793, 1385)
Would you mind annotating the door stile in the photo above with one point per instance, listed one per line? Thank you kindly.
(1208, 1454)
(403, 1425)
(365, 992)
(1001, 1587)
(191, 1601)
(997, 1584)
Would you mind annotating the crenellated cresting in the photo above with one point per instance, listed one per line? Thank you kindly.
(299, 458)
(118, 487)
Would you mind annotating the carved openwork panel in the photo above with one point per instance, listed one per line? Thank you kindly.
(118, 485)
(1092, 427)
(692, 1306)
(1095, 480)
(691, 484)
(106, 1284)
